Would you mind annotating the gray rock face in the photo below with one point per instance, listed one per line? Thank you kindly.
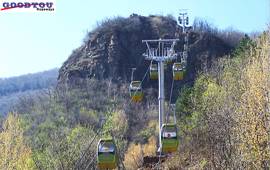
(113, 48)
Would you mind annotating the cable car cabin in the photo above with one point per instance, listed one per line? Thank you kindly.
(178, 71)
(106, 156)
(135, 91)
(153, 71)
(169, 138)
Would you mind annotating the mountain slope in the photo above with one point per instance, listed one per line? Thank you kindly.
(114, 47)
(11, 89)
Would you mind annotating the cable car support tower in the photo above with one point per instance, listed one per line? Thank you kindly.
(184, 22)
(163, 52)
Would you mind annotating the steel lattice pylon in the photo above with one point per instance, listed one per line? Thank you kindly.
(163, 51)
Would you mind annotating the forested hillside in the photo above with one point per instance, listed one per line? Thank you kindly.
(224, 117)
(222, 105)
(14, 88)
(28, 82)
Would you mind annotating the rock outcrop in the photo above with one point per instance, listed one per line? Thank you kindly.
(114, 47)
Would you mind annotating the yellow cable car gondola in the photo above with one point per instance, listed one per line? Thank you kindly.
(135, 91)
(169, 138)
(106, 154)
(178, 71)
(153, 71)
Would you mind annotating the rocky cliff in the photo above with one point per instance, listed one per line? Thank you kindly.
(115, 46)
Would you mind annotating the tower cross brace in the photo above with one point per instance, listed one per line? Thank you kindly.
(164, 52)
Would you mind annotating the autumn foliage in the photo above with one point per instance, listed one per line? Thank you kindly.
(225, 119)
(136, 152)
(14, 154)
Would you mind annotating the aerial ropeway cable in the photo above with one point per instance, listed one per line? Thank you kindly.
(106, 150)
(107, 156)
(135, 87)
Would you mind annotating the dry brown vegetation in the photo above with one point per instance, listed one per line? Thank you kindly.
(223, 120)
(136, 152)
(226, 120)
